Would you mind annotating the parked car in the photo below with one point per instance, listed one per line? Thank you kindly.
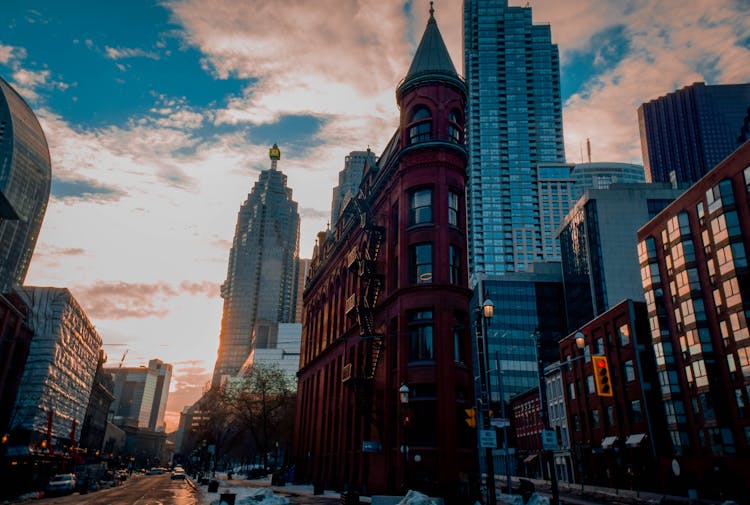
(61, 484)
(155, 471)
(178, 473)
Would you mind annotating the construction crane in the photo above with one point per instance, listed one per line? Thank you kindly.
(122, 360)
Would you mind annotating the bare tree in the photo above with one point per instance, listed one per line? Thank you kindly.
(262, 405)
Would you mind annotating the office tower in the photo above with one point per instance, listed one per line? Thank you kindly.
(261, 282)
(25, 177)
(694, 267)
(54, 391)
(349, 179)
(561, 184)
(15, 342)
(141, 395)
(282, 350)
(686, 133)
(598, 246)
(514, 123)
(529, 319)
(385, 359)
(601, 175)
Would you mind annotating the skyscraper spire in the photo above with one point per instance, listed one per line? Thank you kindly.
(275, 154)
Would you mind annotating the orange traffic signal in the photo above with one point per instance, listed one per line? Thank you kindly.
(602, 378)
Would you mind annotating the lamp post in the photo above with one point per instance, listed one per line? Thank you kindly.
(403, 398)
(487, 311)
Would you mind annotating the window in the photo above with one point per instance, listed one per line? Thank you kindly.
(590, 384)
(421, 346)
(458, 347)
(636, 413)
(420, 128)
(453, 264)
(420, 206)
(623, 333)
(610, 419)
(595, 419)
(629, 371)
(454, 127)
(452, 208)
(420, 263)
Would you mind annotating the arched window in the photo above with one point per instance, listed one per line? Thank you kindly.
(420, 126)
(455, 129)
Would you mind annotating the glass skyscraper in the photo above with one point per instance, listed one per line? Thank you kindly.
(261, 284)
(514, 123)
(25, 177)
(686, 133)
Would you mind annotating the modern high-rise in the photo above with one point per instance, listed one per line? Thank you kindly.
(25, 177)
(598, 246)
(261, 282)
(349, 179)
(514, 123)
(686, 133)
(53, 394)
(141, 395)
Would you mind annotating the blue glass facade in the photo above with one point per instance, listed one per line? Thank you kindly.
(25, 178)
(514, 122)
(690, 131)
(527, 306)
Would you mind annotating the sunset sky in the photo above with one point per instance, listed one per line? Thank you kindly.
(159, 116)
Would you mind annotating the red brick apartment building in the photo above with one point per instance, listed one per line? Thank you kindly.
(386, 308)
(694, 265)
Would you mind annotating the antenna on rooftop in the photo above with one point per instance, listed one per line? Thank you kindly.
(588, 148)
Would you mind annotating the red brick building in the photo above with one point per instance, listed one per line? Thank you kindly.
(387, 305)
(694, 266)
(615, 439)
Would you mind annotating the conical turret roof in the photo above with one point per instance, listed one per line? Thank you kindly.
(431, 61)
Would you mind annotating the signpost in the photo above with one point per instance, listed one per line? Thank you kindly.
(488, 439)
(499, 422)
(549, 440)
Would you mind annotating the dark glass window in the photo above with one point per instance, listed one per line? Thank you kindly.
(420, 206)
(454, 127)
(453, 264)
(453, 208)
(421, 346)
(636, 413)
(420, 262)
(420, 128)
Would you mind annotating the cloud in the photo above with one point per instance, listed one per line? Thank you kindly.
(10, 55)
(671, 45)
(208, 289)
(121, 300)
(114, 53)
(75, 190)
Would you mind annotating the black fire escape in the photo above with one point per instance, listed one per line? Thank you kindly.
(364, 260)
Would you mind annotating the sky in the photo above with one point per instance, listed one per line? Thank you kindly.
(159, 116)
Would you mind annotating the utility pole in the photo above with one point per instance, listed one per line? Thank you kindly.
(548, 455)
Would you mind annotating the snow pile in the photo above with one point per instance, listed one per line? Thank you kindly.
(517, 499)
(417, 498)
(258, 496)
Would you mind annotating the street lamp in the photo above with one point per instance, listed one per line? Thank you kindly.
(403, 398)
(487, 311)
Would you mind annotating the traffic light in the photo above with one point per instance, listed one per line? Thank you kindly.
(602, 378)
(471, 418)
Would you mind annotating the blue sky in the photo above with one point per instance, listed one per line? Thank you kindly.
(159, 116)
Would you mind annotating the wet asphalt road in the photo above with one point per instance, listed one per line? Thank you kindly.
(139, 490)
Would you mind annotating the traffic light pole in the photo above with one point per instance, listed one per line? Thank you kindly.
(548, 455)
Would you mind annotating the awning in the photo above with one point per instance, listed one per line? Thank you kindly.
(608, 442)
(635, 440)
(530, 459)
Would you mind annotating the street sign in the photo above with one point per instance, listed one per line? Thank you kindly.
(371, 446)
(549, 440)
(488, 439)
(499, 422)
